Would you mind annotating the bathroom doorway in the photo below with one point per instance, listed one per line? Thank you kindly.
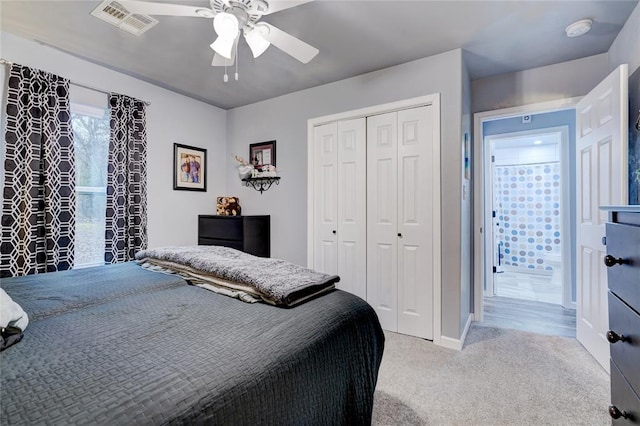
(528, 183)
(526, 203)
(527, 193)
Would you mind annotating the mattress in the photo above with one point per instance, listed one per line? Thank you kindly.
(123, 345)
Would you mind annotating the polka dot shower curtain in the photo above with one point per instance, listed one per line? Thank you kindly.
(39, 201)
(527, 200)
(126, 220)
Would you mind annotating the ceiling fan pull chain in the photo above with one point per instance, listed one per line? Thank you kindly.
(237, 60)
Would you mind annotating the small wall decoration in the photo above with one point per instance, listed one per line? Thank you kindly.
(467, 157)
(262, 154)
(228, 206)
(189, 168)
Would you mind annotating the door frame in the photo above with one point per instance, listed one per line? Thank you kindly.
(565, 210)
(479, 244)
(433, 100)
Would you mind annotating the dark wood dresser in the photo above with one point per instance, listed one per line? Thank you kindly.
(623, 276)
(251, 234)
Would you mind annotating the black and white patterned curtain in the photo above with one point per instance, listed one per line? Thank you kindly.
(126, 231)
(39, 199)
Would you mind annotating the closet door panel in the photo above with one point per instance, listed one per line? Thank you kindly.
(326, 198)
(382, 290)
(352, 214)
(415, 222)
(382, 214)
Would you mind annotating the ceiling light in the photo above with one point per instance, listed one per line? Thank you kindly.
(226, 25)
(579, 28)
(223, 46)
(256, 41)
(537, 142)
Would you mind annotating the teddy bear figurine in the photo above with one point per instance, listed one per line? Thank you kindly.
(228, 206)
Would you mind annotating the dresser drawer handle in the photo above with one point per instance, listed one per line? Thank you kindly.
(612, 261)
(614, 337)
(615, 413)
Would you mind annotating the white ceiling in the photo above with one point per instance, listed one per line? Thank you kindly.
(354, 37)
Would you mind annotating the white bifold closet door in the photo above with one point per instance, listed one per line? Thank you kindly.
(400, 220)
(340, 203)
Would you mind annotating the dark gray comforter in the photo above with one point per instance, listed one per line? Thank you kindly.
(122, 345)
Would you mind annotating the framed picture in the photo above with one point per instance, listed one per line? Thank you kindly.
(189, 168)
(262, 154)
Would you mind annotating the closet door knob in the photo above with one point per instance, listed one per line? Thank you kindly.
(334, 232)
(612, 261)
(399, 235)
(614, 337)
(615, 413)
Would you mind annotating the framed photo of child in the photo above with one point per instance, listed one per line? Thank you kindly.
(262, 154)
(189, 168)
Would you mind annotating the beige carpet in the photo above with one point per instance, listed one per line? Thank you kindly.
(501, 377)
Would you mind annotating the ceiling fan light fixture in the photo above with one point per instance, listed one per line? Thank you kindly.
(578, 28)
(226, 25)
(223, 46)
(256, 41)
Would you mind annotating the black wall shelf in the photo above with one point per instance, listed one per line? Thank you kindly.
(261, 183)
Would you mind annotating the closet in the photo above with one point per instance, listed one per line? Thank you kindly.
(399, 220)
(374, 211)
(340, 197)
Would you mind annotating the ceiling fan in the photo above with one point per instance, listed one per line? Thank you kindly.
(232, 18)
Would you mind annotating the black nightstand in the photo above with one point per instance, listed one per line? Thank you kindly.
(250, 234)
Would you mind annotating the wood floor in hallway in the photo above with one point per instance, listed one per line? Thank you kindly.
(536, 317)
(528, 286)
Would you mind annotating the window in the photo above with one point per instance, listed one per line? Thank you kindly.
(91, 144)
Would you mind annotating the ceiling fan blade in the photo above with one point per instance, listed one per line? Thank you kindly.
(278, 5)
(151, 8)
(289, 44)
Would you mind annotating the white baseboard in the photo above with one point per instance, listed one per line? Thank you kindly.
(457, 344)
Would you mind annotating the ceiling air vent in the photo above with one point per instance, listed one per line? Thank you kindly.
(116, 14)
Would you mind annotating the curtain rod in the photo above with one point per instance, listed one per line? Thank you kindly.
(9, 63)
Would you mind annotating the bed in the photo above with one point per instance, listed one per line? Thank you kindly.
(119, 344)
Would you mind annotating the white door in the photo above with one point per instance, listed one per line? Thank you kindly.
(352, 213)
(601, 157)
(382, 208)
(325, 198)
(415, 222)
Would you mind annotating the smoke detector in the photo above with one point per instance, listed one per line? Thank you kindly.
(579, 28)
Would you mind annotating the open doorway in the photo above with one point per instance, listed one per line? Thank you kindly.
(527, 193)
(599, 163)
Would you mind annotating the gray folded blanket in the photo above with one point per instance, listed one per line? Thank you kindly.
(279, 282)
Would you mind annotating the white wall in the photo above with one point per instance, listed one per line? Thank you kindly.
(466, 235)
(626, 47)
(558, 81)
(284, 119)
(527, 154)
(170, 118)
